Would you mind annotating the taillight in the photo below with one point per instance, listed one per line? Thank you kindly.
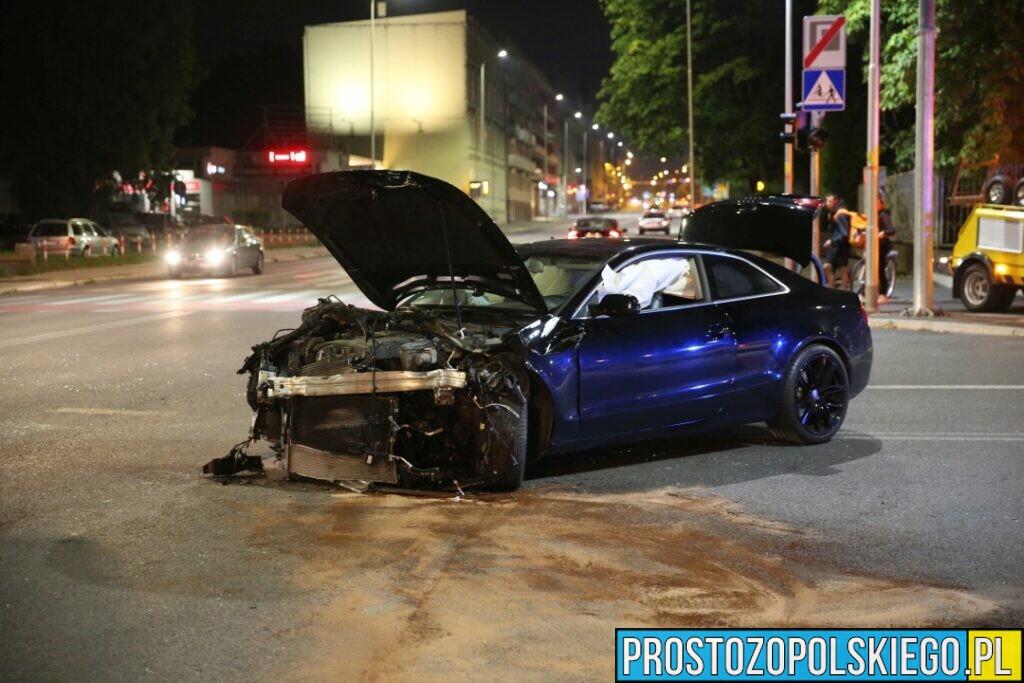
(71, 241)
(573, 234)
(613, 233)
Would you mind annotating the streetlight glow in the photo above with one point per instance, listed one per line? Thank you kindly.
(578, 115)
(559, 97)
(629, 155)
(611, 135)
(663, 160)
(619, 143)
(595, 126)
(579, 170)
(503, 53)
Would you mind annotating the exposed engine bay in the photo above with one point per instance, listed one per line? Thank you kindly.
(404, 398)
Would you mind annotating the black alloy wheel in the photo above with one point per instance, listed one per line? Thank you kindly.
(816, 393)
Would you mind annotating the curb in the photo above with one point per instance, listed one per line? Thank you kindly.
(22, 288)
(944, 326)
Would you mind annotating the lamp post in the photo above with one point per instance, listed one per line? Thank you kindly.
(373, 123)
(482, 137)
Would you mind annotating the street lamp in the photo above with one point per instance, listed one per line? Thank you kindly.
(502, 54)
(578, 115)
(559, 97)
(595, 126)
(611, 135)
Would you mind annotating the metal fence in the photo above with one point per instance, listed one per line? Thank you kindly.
(899, 196)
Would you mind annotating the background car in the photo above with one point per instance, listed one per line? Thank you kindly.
(124, 225)
(678, 211)
(216, 249)
(592, 226)
(654, 220)
(106, 243)
(76, 236)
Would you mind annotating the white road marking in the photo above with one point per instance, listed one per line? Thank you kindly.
(7, 343)
(113, 411)
(960, 438)
(971, 387)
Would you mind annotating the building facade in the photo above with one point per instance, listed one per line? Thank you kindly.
(444, 104)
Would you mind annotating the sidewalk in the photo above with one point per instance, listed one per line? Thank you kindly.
(155, 269)
(950, 314)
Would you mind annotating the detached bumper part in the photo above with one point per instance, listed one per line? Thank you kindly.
(233, 463)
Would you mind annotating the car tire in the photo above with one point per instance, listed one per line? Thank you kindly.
(815, 396)
(996, 191)
(510, 477)
(1018, 193)
(977, 290)
(257, 267)
(115, 251)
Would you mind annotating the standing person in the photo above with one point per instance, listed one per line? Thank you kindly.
(886, 231)
(837, 254)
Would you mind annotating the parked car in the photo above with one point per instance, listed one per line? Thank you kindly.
(76, 236)
(654, 220)
(107, 243)
(124, 225)
(678, 211)
(597, 206)
(483, 356)
(593, 226)
(216, 249)
(13, 230)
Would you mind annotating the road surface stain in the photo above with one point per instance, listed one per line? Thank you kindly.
(531, 586)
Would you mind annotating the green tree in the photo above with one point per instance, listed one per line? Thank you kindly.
(738, 61)
(979, 76)
(90, 89)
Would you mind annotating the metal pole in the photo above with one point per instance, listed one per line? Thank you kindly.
(871, 170)
(373, 123)
(586, 184)
(924, 171)
(815, 190)
(482, 137)
(565, 168)
(547, 165)
(787, 161)
(689, 102)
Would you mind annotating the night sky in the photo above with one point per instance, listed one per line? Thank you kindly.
(567, 39)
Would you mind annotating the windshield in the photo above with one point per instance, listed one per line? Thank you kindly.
(203, 233)
(556, 276)
(654, 214)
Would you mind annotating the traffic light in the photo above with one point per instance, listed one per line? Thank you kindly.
(791, 121)
(811, 139)
(803, 136)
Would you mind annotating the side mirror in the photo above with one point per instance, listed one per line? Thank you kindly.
(616, 305)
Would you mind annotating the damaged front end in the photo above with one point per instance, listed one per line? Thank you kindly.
(399, 398)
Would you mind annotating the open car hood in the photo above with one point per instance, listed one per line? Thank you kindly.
(781, 225)
(397, 232)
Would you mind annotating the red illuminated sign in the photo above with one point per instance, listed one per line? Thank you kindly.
(292, 156)
(192, 187)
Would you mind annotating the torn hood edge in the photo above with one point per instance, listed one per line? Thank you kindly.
(399, 232)
(778, 224)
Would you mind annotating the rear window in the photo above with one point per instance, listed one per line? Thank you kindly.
(733, 278)
(654, 214)
(52, 229)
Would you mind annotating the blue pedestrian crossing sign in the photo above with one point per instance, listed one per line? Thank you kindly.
(824, 90)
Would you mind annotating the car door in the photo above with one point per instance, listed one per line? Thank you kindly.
(670, 364)
(752, 299)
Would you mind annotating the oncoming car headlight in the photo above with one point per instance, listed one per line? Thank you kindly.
(172, 257)
(215, 256)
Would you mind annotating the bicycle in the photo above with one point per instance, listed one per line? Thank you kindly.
(859, 270)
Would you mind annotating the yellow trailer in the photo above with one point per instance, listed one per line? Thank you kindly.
(988, 257)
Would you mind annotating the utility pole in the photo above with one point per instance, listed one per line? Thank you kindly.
(924, 171)
(871, 170)
(689, 102)
(586, 185)
(565, 168)
(787, 162)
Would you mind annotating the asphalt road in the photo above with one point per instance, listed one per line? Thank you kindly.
(118, 561)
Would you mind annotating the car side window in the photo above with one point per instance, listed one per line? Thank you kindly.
(734, 278)
(659, 282)
(77, 229)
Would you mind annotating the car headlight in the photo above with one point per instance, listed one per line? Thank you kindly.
(172, 257)
(215, 256)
